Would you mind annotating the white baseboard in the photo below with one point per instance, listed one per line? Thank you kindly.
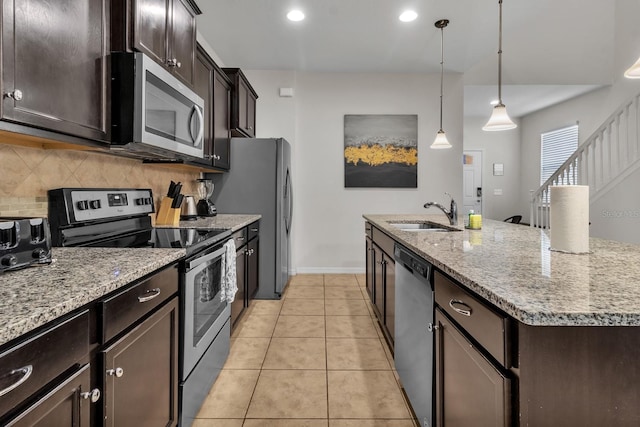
(327, 270)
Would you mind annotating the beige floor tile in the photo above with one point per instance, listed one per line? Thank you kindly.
(371, 423)
(365, 394)
(217, 423)
(296, 353)
(356, 354)
(350, 327)
(263, 306)
(285, 423)
(344, 280)
(300, 327)
(247, 353)
(307, 279)
(336, 292)
(255, 326)
(301, 307)
(362, 280)
(230, 395)
(346, 307)
(290, 394)
(307, 292)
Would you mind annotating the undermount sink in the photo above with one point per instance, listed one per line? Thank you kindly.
(421, 226)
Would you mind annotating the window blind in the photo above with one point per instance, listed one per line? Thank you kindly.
(557, 147)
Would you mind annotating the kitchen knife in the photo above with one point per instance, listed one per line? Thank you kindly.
(177, 190)
(172, 187)
(177, 202)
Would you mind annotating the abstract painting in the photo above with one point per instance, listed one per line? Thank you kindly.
(381, 150)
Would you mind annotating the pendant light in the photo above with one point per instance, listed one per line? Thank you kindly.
(441, 138)
(499, 119)
(634, 71)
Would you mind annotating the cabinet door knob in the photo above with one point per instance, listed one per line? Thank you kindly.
(94, 395)
(118, 372)
(250, 128)
(431, 327)
(16, 94)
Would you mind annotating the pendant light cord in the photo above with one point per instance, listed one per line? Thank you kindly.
(441, 71)
(500, 57)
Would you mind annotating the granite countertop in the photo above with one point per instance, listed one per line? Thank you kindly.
(33, 296)
(512, 267)
(232, 221)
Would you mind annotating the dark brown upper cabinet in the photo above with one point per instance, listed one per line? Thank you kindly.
(165, 30)
(54, 66)
(212, 84)
(243, 104)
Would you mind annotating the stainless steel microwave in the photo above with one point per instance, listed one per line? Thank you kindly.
(153, 114)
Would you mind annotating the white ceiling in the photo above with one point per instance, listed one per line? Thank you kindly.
(552, 50)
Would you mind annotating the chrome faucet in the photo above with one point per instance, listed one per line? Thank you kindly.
(451, 213)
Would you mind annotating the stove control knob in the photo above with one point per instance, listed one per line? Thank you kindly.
(39, 253)
(9, 260)
(95, 204)
(83, 205)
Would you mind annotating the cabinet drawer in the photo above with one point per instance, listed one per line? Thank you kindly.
(367, 229)
(253, 230)
(385, 242)
(125, 308)
(240, 237)
(27, 367)
(488, 327)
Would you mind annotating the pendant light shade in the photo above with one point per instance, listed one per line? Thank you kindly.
(634, 71)
(441, 138)
(499, 119)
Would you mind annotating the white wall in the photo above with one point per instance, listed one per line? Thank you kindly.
(328, 224)
(496, 147)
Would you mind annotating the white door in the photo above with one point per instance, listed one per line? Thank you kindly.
(472, 182)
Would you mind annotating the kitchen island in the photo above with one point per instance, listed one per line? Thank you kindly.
(566, 343)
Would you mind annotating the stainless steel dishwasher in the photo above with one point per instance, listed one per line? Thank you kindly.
(414, 338)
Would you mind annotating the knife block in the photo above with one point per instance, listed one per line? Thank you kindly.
(166, 214)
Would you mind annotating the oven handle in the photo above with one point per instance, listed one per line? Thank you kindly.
(201, 260)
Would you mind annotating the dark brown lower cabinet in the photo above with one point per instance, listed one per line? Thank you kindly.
(253, 267)
(470, 390)
(141, 373)
(66, 405)
(237, 306)
(389, 295)
(378, 281)
(369, 269)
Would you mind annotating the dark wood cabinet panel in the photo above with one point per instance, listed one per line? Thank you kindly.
(243, 104)
(64, 406)
(237, 306)
(470, 390)
(370, 278)
(54, 66)
(389, 295)
(141, 373)
(215, 88)
(253, 267)
(378, 280)
(183, 40)
(151, 28)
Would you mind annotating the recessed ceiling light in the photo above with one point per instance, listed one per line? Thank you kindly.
(295, 15)
(494, 102)
(408, 16)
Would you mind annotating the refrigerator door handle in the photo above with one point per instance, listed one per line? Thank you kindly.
(288, 194)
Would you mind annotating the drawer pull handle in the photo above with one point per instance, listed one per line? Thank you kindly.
(149, 295)
(464, 311)
(118, 372)
(94, 395)
(26, 373)
(255, 230)
(240, 238)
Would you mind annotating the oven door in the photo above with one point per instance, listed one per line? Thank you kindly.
(204, 314)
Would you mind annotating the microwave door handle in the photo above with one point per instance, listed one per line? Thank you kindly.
(198, 138)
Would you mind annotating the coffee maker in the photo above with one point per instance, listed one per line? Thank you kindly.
(205, 206)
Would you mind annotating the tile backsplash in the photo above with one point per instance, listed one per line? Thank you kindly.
(27, 173)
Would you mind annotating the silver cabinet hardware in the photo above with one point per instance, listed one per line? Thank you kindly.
(26, 372)
(254, 230)
(431, 327)
(16, 94)
(94, 395)
(149, 295)
(118, 372)
(466, 311)
(173, 62)
(240, 238)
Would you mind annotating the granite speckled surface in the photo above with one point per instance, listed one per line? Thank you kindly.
(232, 221)
(511, 266)
(34, 296)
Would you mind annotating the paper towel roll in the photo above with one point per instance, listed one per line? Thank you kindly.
(569, 218)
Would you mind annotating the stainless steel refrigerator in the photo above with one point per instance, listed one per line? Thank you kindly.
(259, 182)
